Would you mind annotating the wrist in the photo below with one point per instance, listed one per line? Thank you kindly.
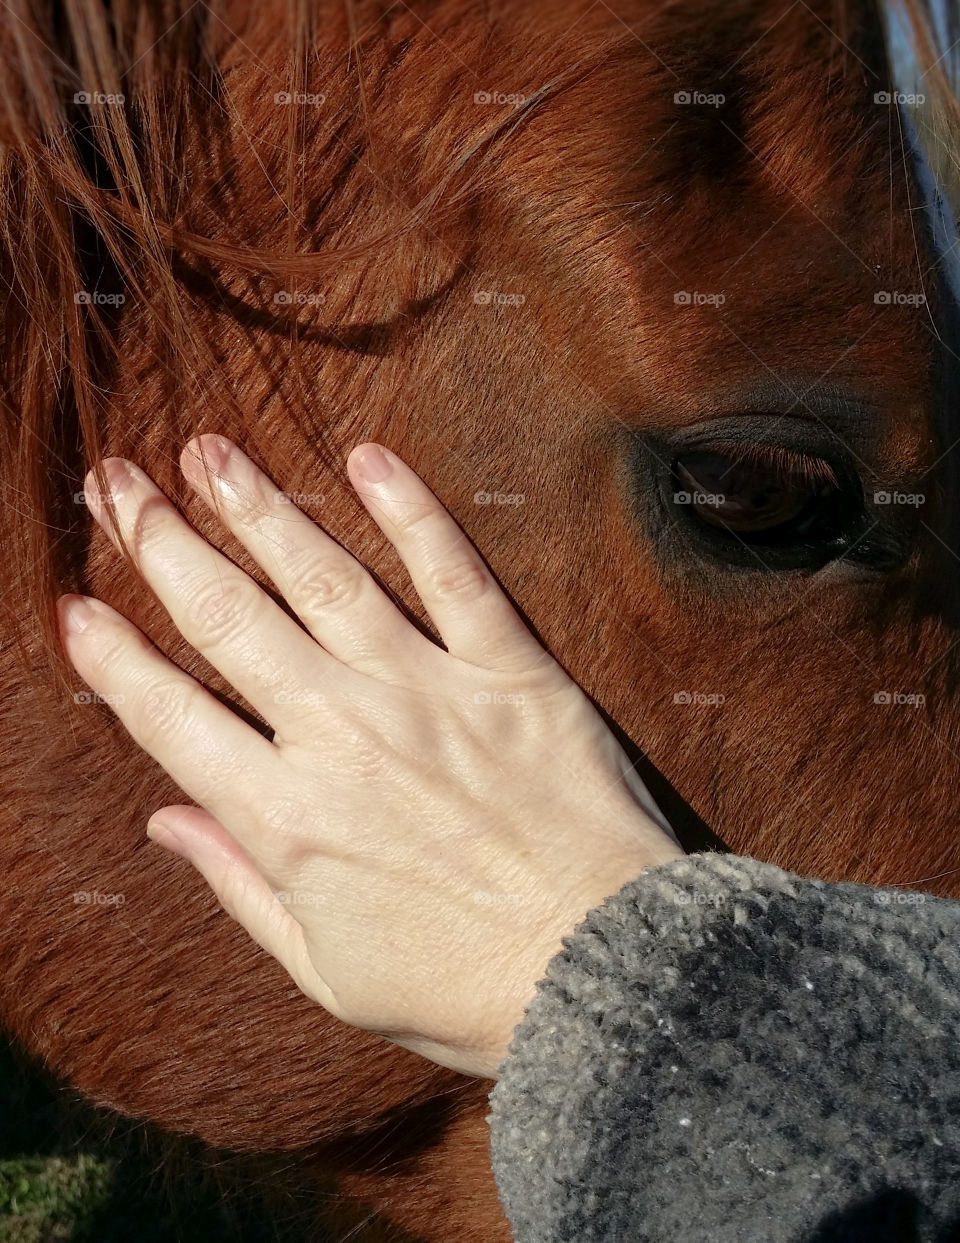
(651, 849)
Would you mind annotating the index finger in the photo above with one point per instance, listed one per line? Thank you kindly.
(470, 610)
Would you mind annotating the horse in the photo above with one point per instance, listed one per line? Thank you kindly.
(658, 299)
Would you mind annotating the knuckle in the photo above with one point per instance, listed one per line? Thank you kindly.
(166, 709)
(362, 758)
(462, 580)
(286, 823)
(114, 648)
(218, 610)
(283, 817)
(366, 759)
(413, 517)
(323, 583)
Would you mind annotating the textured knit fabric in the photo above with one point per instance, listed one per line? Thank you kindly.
(725, 1052)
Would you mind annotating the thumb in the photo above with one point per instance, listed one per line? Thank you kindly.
(239, 887)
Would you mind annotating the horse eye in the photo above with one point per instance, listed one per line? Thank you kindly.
(762, 495)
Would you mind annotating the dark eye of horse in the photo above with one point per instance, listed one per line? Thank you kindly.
(762, 495)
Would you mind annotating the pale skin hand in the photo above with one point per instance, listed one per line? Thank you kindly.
(426, 825)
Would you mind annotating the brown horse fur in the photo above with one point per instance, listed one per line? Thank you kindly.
(388, 212)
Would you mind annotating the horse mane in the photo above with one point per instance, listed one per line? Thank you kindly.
(96, 193)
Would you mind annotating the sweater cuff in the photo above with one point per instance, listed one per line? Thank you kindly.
(693, 1063)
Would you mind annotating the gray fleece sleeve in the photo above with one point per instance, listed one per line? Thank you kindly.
(725, 1052)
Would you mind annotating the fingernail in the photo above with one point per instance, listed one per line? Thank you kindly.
(119, 479)
(212, 450)
(373, 465)
(160, 832)
(117, 471)
(75, 612)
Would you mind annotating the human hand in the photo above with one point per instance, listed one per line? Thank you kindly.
(425, 825)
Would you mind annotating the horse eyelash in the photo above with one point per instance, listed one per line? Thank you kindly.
(781, 463)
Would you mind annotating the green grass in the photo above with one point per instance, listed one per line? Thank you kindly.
(47, 1198)
(72, 1174)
